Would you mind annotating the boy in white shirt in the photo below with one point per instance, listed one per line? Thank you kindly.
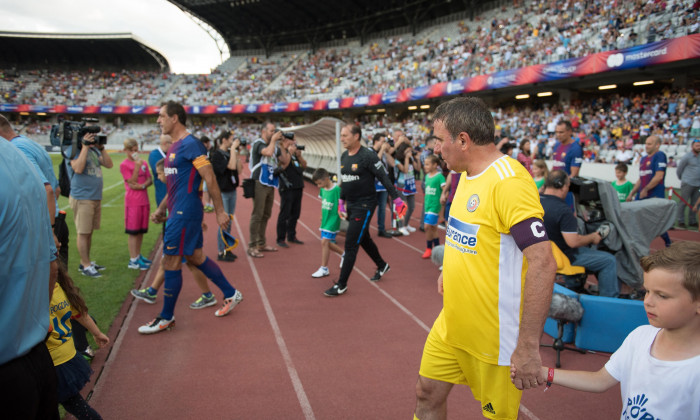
(658, 365)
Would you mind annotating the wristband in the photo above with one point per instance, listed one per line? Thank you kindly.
(550, 378)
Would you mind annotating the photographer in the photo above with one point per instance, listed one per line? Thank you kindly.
(227, 165)
(263, 162)
(291, 173)
(382, 147)
(86, 196)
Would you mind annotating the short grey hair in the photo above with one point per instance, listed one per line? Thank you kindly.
(469, 115)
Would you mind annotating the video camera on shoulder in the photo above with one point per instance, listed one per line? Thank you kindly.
(72, 133)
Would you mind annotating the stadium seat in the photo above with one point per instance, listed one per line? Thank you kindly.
(607, 321)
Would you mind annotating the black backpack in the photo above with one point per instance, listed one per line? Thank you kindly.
(64, 179)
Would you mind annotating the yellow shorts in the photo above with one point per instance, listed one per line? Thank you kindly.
(489, 383)
(86, 214)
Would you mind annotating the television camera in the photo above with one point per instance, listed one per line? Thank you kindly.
(71, 134)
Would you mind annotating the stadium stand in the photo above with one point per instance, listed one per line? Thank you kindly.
(533, 33)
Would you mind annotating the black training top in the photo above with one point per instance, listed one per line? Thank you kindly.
(558, 218)
(357, 173)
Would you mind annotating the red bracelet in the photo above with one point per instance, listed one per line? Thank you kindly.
(550, 378)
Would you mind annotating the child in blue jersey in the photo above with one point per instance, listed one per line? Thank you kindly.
(330, 219)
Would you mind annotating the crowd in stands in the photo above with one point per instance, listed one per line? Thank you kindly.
(609, 127)
(49, 87)
(529, 33)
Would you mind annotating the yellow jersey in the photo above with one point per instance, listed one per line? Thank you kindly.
(60, 341)
(483, 268)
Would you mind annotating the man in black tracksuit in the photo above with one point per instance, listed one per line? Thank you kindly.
(359, 167)
(291, 189)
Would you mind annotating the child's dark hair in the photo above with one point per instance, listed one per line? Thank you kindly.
(320, 174)
(622, 167)
(682, 257)
(433, 158)
(72, 292)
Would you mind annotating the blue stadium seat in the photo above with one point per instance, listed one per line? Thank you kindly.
(607, 321)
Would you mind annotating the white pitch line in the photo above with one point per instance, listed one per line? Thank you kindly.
(114, 200)
(382, 291)
(291, 370)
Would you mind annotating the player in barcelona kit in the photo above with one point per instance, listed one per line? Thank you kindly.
(186, 164)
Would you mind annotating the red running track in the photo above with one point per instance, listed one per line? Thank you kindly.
(288, 352)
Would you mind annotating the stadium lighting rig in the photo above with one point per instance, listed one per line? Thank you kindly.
(523, 96)
(643, 82)
(607, 87)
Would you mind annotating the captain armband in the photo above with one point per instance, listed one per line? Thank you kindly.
(529, 232)
(200, 162)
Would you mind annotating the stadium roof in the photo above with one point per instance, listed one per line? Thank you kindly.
(117, 51)
(269, 24)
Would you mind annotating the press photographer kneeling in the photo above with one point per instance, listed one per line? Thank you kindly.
(291, 188)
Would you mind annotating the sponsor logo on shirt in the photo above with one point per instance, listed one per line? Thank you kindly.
(349, 178)
(59, 306)
(461, 236)
(170, 171)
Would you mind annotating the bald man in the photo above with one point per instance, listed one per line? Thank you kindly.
(652, 171)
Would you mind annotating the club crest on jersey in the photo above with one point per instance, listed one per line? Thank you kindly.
(171, 157)
(353, 167)
(473, 203)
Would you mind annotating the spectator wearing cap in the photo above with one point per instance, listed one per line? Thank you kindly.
(688, 171)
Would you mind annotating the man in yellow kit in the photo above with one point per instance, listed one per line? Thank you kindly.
(498, 273)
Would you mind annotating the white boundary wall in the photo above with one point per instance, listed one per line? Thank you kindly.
(606, 171)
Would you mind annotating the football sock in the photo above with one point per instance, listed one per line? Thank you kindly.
(151, 291)
(430, 244)
(213, 272)
(171, 290)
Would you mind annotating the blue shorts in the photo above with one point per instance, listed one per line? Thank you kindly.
(325, 234)
(182, 236)
(430, 219)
